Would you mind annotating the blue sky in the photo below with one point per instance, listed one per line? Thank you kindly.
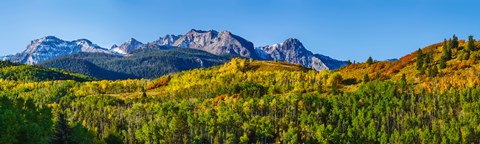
(342, 29)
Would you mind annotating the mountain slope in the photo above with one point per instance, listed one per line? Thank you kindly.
(127, 47)
(51, 47)
(143, 63)
(218, 43)
(167, 40)
(80, 65)
(21, 72)
(329, 62)
(425, 71)
(293, 51)
(237, 67)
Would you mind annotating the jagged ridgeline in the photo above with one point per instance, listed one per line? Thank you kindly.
(125, 61)
(21, 72)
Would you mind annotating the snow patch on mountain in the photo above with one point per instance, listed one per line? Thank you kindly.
(220, 43)
(51, 47)
(127, 47)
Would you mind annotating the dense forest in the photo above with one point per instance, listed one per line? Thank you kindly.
(26, 73)
(150, 62)
(424, 97)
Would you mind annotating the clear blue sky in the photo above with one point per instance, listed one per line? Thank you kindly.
(342, 29)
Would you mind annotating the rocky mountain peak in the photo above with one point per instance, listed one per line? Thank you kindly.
(128, 46)
(132, 40)
(167, 40)
(292, 41)
(201, 31)
(216, 43)
(46, 39)
(51, 47)
(292, 50)
(49, 38)
(219, 43)
(292, 44)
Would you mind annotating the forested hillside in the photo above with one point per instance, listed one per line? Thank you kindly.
(243, 101)
(452, 64)
(20, 72)
(149, 63)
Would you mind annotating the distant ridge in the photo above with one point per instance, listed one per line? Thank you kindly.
(291, 50)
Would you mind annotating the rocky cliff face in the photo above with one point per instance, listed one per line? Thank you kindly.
(216, 43)
(211, 41)
(292, 51)
(167, 40)
(127, 47)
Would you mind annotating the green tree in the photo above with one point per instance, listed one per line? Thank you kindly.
(433, 71)
(454, 41)
(420, 60)
(471, 43)
(335, 78)
(443, 64)
(62, 130)
(447, 51)
(348, 62)
(369, 60)
(403, 81)
(366, 78)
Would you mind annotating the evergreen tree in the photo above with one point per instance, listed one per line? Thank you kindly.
(422, 71)
(144, 93)
(443, 64)
(349, 62)
(433, 71)
(369, 60)
(471, 43)
(447, 51)
(62, 130)
(420, 59)
(428, 58)
(366, 78)
(454, 41)
(403, 80)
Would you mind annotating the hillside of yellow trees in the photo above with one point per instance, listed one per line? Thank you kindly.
(429, 96)
(451, 64)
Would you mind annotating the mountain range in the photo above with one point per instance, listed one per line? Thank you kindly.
(223, 43)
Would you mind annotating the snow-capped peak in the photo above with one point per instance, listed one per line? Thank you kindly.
(51, 47)
(127, 47)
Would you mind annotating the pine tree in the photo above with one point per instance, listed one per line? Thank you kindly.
(369, 60)
(366, 78)
(403, 80)
(422, 71)
(349, 62)
(428, 58)
(433, 71)
(443, 64)
(62, 129)
(419, 59)
(471, 43)
(454, 41)
(447, 50)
